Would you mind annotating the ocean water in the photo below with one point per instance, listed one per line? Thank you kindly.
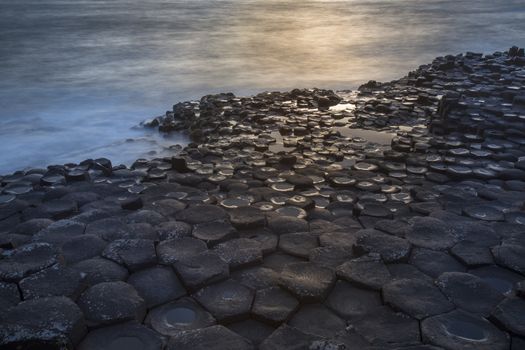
(77, 77)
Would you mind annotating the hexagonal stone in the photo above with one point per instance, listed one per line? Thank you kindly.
(286, 337)
(33, 226)
(431, 233)
(472, 255)
(227, 301)
(247, 218)
(145, 216)
(287, 224)
(458, 330)
(339, 239)
(130, 336)
(135, 254)
(469, 292)
(265, 237)
(109, 229)
(53, 281)
(173, 230)
(60, 232)
(391, 248)
(510, 315)
(256, 277)
(298, 244)
(510, 255)
(214, 232)
(434, 263)
(484, 212)
(240, 252)
(278, 260)
(9, 295)
(329, 256)
(201, 269)
(173, 250)
(111, 302)
(273, 305)
(307, 281)
(27, 259)
(385, 327)
(352, 303)
(318, 320)
(45, 323)
(201, 213)
(417, 298)
(214, 337)
(367, 271)
(157, 285)
(502, 280)
(82, 248)
(98, 270)
(252, 330)
(55, 209)
(182, 315)
(393, 227)
(167, 207)
(403, 271)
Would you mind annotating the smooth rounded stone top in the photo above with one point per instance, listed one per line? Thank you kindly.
(227, 301)
(298, 244)
(286, 337)
(256, 277)
(53, 281)
(111, 302)
(109, 229)
(201, 214)
(484, 212)
(30, 258)
(98, 270)
(129, 336)
(33, 226)
(344, 239)
(469, 292)
(367, 271)
(307, 281)
(9, 295)
(179, 316)
(167, 207)
(510, 255)
(60, 232)
(351, 302)
(240, 252)
(43, 323)
(417, 298)
(510, 315)
(375, 210)
(253, 330)
(145, 216)
(214, 337)
(393, 227)
(173, 250)
(391, 248)
(201, 269)
(500, 279)
(247, 218)
(55, 209)
(318, 320)
(459, 330)
(330, 256)
(265, 237)
(173, 230)
(214, 232)
(135, 254)
(157, 285)
(431, 233)
(434, 263)
(82, 247)
(273, 305)
(287, 224)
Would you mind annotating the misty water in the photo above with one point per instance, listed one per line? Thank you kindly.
(77, 77)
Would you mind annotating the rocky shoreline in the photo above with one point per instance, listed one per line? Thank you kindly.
(387, 218)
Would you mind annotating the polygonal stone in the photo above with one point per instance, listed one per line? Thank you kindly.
(167, 207)
(406, 271)
(135, 254)
(273, 305)
(417, 298)
(173, 250)
(286, 337)
(391, 248)
(352, 303)
(9, 295)
(329, 256)
(339, 239)
(298, 244)
(55, 209)
(227, 301)
(182, 315)
(252, 330)
(256, 277)
(145, 216)
(247, 218)
(265, 237)
(510, 314)
(111, 302)
(469, 292)
(157, 285)
(307, 281)
(278, 260)
(471, 254)
(459, 330)
(45, 323)
(98, 270)
(201, 213)
(109, 229)
(484, 212)
(82, 248)
(239, 252)
(53, 281)
(33, 226)
(60, 232)
(287, 224)
(214, 337)
(130, 336)
(27, 259)
(393, 227)
(510, 255)
(214, 232)
(431, 233)
(201, 269)
(502, 280)
(367, 271)
(173, 230)
(318, 320)
(434, 263)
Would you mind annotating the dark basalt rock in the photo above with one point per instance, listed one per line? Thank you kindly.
(286, 337)
(434, 263)
(367, 271)
(329, 256)
(256, 278)
(157, 285)
(461, 330)
(53, 281)
(214, 232)
(318, 320)
(247, 218)
(307, 281)
(45, 323)
(239, 252)
(502, 280)
(339, 239)
(98, 270)
(214, 337)
(135, 254)
(252, 330)
(273, 305)
(227, 301)
(173, 230)
(174, 250)
(111, 302)
(145, 216)
(201, 214)
(352, 303)
(82, 248)
(22, 261)
(201, 269)
(471, 255)
(55, 209)
(179, 316)
(298, 244)
(484, 212)
(130, 336)
(9, 295)
(510, 315)
(60, 232)
(287, 224)
(391, 248)
(33, 226)
(510, 255)
(431, 233)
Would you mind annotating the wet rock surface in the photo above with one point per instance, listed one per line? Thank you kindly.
(388, 217)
